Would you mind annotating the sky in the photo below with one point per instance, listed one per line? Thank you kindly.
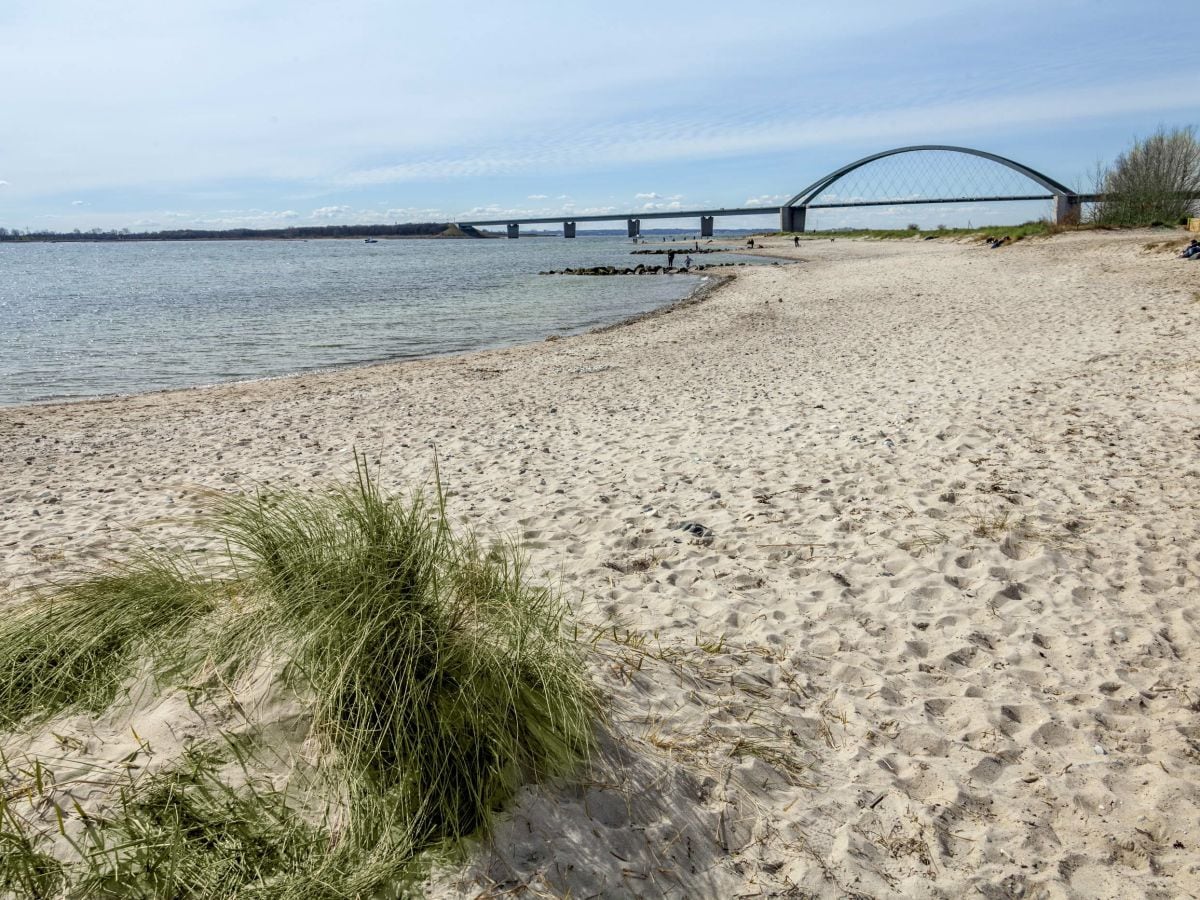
(222, 114)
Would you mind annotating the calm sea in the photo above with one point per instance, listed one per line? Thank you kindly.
(84, 320)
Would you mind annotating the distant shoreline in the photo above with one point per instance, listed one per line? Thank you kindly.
(446, 230)
(203, 240)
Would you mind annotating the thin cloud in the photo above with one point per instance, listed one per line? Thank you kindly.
(700, 139)
(766, 200)
(329, 212)
(413, 214)
(498, 211)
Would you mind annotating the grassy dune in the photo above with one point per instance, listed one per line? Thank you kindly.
(437, 678)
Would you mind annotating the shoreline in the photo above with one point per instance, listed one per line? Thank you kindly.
(947, 549)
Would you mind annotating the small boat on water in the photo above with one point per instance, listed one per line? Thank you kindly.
(370, 241)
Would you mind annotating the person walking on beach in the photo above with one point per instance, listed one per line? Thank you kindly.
(670, 258)
(687, 262)
(796, 240)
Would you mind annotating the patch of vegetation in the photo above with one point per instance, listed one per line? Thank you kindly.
(924, 540)
(181, 832)
(992, 524)
(1155, 182)
(184, 832)
(74, 646)
(26, 870)
(1039, 228)
(440, 677)
(439, 681)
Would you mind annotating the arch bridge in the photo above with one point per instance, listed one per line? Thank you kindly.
(961, 175)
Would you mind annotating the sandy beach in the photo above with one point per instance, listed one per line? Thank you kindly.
(889, 560)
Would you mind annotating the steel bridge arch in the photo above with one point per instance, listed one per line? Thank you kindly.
(806, 196)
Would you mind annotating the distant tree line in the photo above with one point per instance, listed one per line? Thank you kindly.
(411, 229)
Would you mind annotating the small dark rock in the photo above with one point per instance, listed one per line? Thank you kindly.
(695, 529)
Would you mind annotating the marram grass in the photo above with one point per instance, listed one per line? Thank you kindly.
(75, 645)
(439, 681)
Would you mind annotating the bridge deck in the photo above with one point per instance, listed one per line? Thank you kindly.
(619, 217)
(750, 211)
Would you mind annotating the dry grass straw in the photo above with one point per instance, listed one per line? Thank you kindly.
(716, 673)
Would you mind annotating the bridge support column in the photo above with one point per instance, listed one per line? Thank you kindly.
(633, 227)
(791, 218)
(1066, 209)
(568, 229)
(514, 230)
(706, 226)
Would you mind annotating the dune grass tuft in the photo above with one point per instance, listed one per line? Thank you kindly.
(25, 869)
(74, 646)
(438, 677)
(186, 833)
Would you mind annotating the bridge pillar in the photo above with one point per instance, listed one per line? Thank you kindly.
(514, 230)
(633, 227)
(791, 218)
(1066, 209)
(568, 229)
(706, 226)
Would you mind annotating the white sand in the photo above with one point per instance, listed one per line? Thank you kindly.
(942, 640)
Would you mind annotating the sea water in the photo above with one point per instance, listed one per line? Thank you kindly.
(91, 319)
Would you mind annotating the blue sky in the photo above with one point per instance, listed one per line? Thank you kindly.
(218, 114)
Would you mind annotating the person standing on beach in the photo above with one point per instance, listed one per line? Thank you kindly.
(670, 258)
(796, 240)
(687, 262)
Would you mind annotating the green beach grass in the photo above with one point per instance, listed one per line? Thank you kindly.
(1012, 232)
(438, 680)
(74, 646)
